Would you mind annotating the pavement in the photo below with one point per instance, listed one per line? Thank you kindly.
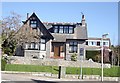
(17, 77)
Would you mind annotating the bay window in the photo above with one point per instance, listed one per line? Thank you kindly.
(66, 29)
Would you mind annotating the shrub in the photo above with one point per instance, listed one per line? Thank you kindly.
(3, 63)
(74, 57)
(94, 55)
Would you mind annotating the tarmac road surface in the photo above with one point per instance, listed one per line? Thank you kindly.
(24, 78)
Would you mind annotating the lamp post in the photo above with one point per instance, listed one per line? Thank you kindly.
(103, 36)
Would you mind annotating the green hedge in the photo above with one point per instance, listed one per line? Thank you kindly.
(94, 55)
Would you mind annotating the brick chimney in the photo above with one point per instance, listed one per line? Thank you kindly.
(83, 20)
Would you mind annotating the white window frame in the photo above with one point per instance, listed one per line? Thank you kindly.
(42, 44)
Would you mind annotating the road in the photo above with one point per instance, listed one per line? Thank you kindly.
(24, 78)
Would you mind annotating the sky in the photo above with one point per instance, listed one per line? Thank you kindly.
(101, 17)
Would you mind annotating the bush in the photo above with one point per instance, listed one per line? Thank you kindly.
(94, 55)
(3, 63)
(74, 57)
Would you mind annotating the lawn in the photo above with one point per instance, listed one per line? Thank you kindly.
(31, 68)
(113, 72)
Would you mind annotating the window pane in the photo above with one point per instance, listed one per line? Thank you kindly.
(26, 46)
(32, 45)
(42, 40)
(55, 29)
(103, 43)
(43, 44)
(65, 29)
(73, 47)
(42, 47)
(75, 43)
(33, 23)
(71, 43)
(36, 46)
(61, 29)
(106, 43)
(98, 43)
(86, 42)
(92, 43)
(70, 29)
(62, 48)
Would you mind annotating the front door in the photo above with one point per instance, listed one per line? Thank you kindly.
(56, 50)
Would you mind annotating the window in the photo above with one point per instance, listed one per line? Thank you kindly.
(93, 43)
(26, 45)
(86, 42)
(56, 29)
(33, 23)
(105, 43)
(62, 48)
(43, 45)
(61, 29)
(32, 45)
(36, 46)
(70, 29)
(73, 47)
(66, 29)
(98, 43)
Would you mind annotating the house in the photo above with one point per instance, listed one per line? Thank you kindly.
(39, 39)
(95, 44)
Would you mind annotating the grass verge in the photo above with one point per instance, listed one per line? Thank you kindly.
(112, 72)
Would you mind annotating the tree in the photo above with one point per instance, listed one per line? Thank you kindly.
(117, 52)
(15, 35)
(116, 55)
(10, 25)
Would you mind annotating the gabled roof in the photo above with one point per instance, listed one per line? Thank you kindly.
(47, 32)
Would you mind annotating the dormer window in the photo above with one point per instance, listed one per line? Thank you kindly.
(33, 24)
(64, 29)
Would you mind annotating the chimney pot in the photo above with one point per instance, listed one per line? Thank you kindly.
(27, 15)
